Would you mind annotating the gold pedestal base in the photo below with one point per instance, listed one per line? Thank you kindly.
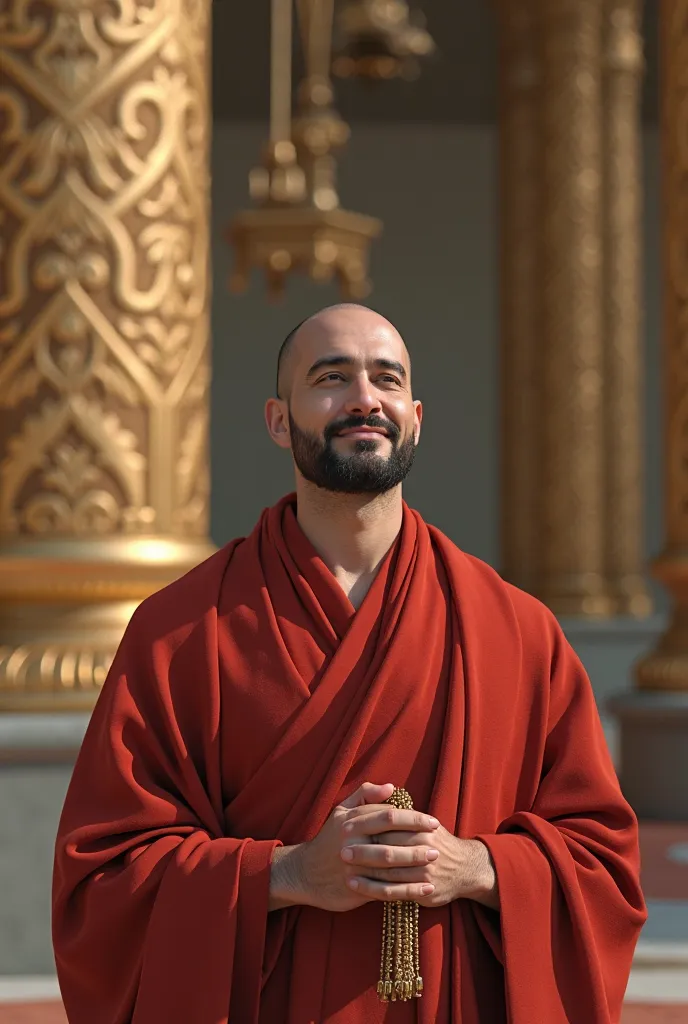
(63, 616)
(666, 668)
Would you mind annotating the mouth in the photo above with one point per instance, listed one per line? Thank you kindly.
(363, 433)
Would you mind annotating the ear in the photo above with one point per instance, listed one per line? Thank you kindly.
(417, 419)
(277, 421)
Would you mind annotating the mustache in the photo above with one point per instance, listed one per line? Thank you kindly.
(352, 422)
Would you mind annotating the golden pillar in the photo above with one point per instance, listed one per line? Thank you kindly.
(520, 184)
(667, 667)
(622, 318)
(103, 331)
(570, 298)
(572, 569)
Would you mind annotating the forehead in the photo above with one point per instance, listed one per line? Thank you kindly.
(365, 340)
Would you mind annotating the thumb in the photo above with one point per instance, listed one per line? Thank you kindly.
(369, 793)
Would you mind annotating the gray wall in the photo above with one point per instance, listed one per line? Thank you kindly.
(435, 276)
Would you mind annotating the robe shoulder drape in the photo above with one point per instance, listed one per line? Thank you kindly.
(245, 701)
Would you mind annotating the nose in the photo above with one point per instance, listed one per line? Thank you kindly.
(362, 399)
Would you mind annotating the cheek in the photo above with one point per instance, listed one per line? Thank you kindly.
(315, 412)
(403, 414)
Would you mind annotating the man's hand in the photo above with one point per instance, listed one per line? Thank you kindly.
(398, 864)
(315, 873)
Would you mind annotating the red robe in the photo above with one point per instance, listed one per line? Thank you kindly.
(245, 701)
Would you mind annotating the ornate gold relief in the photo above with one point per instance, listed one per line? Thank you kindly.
(104, 311)
(667, 667)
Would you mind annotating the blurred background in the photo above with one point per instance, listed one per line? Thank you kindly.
(181, 182)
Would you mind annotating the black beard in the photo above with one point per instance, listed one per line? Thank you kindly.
(362, 472)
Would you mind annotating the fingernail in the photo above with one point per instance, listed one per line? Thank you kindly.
(433, 822)
(353, 884)
(432, 854)
(348, 853)
(427, 890)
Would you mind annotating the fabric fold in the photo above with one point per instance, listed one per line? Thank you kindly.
(156, 911)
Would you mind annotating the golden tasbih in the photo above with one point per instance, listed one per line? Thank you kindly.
(400, 960)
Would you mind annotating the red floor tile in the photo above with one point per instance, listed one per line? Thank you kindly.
(654, 1013)
(32, 1013)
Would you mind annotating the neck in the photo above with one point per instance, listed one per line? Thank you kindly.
(352, 533)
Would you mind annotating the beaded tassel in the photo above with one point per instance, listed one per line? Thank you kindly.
(400, 959)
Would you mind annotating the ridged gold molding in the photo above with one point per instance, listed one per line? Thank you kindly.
(667, 667)
(520, 187)
(572, 569)
(623, 66)
(103, 329)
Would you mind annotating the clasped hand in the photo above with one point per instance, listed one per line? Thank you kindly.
(368, 850)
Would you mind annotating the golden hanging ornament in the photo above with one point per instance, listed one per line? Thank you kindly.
(400, 958)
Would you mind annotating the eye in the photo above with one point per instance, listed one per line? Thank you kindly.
(332, 375)
(388, 378)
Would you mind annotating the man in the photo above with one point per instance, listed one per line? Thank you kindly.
(226, 851)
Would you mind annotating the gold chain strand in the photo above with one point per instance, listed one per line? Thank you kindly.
(400, 957)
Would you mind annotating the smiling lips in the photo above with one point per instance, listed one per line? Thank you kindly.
(362, 433)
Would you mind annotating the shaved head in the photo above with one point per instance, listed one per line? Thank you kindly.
(327, 318)
(344, 405)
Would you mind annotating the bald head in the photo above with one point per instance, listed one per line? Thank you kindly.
(327, 323)
(344, 403)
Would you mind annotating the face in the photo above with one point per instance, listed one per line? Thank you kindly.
(350, 420)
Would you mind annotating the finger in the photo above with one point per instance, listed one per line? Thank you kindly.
(389, 892)
(373, 821)
(417, 873)
(374, 856)
(405, 839)
(369, 793)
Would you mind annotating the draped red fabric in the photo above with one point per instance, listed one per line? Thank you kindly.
(245, 701)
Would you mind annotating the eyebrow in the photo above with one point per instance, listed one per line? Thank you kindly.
(330, 361)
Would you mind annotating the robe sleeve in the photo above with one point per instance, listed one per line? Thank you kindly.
(149, 893)
(568, 870)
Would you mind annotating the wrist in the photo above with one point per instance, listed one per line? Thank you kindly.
(482, 878)
(286, 878)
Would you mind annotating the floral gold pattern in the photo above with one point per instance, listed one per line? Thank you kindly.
(103, 186)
